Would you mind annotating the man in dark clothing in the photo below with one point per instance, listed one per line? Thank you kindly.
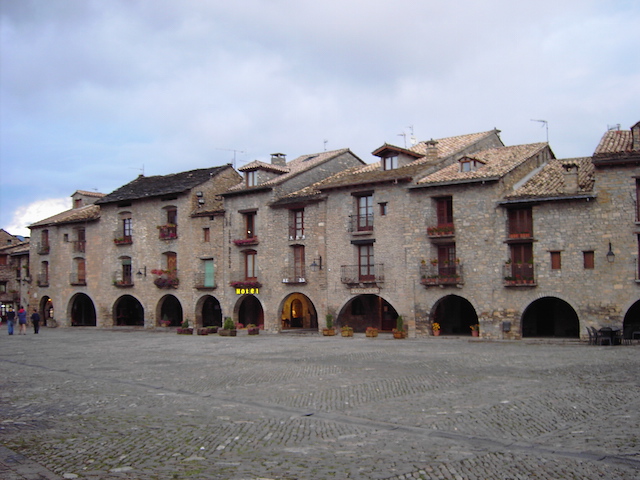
(11, 318)
(35, 319)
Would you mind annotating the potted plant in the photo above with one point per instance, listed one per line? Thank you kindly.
(329, 331)
(253, 329)
(203, 331)
(346, 331)
(228, 328)
(184, 328)
(435, 328)
(399, 331)
(475, 330)
(212, 329)
(371, 332)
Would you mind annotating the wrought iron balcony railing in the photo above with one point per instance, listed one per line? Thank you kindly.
(43, 248)
(167, 232)
(77, 279)
(361, 223)
(204, 281)
(519, 274)
(362, 274)
(441, 230)
(43, 280)
(436, 274)
(294, 275)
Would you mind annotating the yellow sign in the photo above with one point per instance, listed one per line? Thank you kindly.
(247, 291)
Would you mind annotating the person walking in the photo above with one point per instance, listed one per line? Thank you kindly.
(11, 317)
(35, 319)
(22, 320)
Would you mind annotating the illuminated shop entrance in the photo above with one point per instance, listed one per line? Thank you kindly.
(298, 313)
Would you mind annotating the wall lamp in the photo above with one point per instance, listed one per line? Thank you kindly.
(142, 272)
(610, 255)
(317, 264)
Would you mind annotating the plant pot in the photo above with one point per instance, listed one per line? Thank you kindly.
(436, 333)
(399, 335)
(372, 333)
(347, 333)
(475, 333)
(328, 332)
(227, 333)
(184, 331)
(203, 331)
(253, 331)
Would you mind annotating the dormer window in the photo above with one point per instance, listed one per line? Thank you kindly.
(469, 164)
(390, 163)
(252, 178)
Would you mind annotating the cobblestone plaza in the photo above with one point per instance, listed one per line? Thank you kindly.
(95, 404)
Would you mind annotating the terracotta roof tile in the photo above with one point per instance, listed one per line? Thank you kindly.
(82, 214)
(497, 162)
(615, 141)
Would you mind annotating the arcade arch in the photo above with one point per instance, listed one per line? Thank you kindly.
(297, 311)
(208, 312)
(368, 310)
(46, 311)
(455, 315)
(128, 311)
(550, 317)
(83, 312)
(249, 311)
(170, 310)
(631, 323)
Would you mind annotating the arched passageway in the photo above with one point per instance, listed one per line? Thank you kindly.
(368, 311)
(170, 311)
(631, 321)
(250, 311)
(550, 317)
(298, 312)
(128, 311)
(83, 312)
(455, 315)
(46, 310)
(208, 312)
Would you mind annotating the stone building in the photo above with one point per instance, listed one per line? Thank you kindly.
(14, 271)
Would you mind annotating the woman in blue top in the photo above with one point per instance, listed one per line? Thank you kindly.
(22, 320)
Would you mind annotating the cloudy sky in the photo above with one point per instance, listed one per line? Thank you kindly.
(96, 92)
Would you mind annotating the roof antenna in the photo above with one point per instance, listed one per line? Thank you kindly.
(234, 154)
(403, 135)
(140, 169)
(544, 124)
(325, 144)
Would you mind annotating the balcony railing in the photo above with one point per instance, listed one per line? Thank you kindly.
(296, 233)
(43, 280)
(43, 248)
(167, 232)
(245, 242)
(203, 281)
(436, 274)
(356, 274)
(520, 235)
(519, 274)
(441, 230)
(79, 246)
(361, 223)
(121, 281)
(294, 275)
(167, 280)
(77, 279)
(120, 239)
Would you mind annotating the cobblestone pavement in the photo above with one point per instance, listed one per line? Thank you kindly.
(95, 404)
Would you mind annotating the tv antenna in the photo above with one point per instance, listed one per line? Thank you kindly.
(544, 124)
(139, 169)
(234, 154)
(325, 144)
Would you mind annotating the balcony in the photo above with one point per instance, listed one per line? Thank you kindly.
(441, 230)
(203, 281)
(519, 275)
(296, 233)
(362, 275)
(120, 239)
(120, 281)
(246, 242)
(520, 235)
(43, 280)
(79, 246)
(245, 286)
(77, 279)
(435, 274)
(167, 232)
(43, 248)
(166, 278)
(294, 276)
(361, 223)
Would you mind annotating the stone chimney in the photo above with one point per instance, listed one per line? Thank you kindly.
(635, 136)
(279, 159)
(571, 184)
(432, 150)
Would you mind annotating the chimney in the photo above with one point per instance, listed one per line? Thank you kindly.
(635, 135)
(570, 177)
(279, 159)
(432, 150)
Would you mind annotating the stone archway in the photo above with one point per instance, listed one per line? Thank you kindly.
(208, 312)
(83, 312)
(249, 311)
(298, 312)
(631, 321)
(455, 315)
(128, 311)
(46, 311)
(550, 317)
(368, 310)
(169, 310)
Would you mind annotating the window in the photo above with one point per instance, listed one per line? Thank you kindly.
(172, 215)
(169, 231)
(206, 234)
(637, 200)
(520, 223)
(81, 270)
(522, 261)
(3, 259)
(3, 287)
(209, 273)
(80, 243)
(127, 227)
(444, 211)
(171, 262)
(390, 163)
(366, 267)
(43, 278)
(556, 261)
(250, 224)
(447, 260)
(296, 231)
(588, 259)
(383, 209)
(127, 278)
(365, 213)
(298, 261)
(250, 267)
(252, 178)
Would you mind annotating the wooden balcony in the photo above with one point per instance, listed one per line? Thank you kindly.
(437, 275)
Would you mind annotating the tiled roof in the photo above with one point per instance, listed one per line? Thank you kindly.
(614, 141)
(550, 181)
(16, 249)
(497, 162)
(159, 185)
(86, 193)
(450, 145)
(291, 169)
(82, 214)
(258, 165)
